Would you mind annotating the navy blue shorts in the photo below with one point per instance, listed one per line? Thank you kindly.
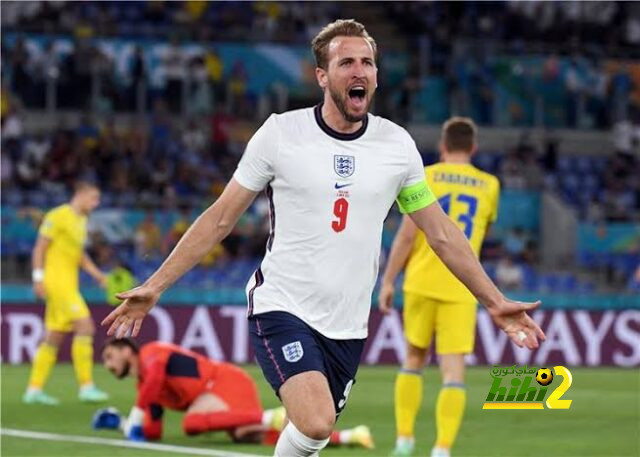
(285, 346)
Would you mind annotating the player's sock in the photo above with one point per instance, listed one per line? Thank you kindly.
(195, 423)
(359, 436)
(449, 412)
(82, 356)
(274, 418)
(43, 362)
(408, 398)
(293, 443)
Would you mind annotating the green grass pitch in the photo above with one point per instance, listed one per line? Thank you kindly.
(604, 418)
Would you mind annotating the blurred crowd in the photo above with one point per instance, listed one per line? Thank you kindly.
(568, 25)
(461, 57)
(291, 22)
(600, 26)
(599, 188)
(149, 161)
(179, 142)
(87, 78)
(160, 162)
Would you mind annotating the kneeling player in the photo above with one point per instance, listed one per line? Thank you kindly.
(216, 396)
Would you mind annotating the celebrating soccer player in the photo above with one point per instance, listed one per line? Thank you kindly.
(434, 300)
(215, 396)
(57, 256)
(331, 174)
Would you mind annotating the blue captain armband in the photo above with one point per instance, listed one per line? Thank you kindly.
(415, 197)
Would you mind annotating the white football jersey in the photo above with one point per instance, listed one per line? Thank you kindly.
(329, 194)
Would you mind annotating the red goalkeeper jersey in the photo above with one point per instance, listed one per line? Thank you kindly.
(173, 377)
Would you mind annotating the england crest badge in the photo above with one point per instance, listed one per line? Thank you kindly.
(344, 166)
(293, 351)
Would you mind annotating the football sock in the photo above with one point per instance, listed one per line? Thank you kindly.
(334, 439)
(195, 423)
(408, 399)
(293, 443)
(43, 361)
(82, 356)
(341, 436)
(449, 412)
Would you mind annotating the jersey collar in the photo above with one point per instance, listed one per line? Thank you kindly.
(317, 111)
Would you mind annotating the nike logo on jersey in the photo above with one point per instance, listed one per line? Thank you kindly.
(340, 186)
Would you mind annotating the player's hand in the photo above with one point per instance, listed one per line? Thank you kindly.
(106, 418)
(385, 298)
(39, 290)
(135, 433)
(137, 303)
(511, 316)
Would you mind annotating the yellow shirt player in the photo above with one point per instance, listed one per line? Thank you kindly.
(435, 301)
(57, 257)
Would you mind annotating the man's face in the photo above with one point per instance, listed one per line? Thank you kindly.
(89, 200)
(116, 360)
(351, 76)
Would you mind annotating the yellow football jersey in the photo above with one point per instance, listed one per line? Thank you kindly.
(67, 231)
(470, 197)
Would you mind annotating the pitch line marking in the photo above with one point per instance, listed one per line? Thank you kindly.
(184, 450)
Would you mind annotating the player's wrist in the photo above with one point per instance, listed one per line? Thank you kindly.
(134, 419)
(493, 302)
(155, 285)
(37, 275)
(387, 283)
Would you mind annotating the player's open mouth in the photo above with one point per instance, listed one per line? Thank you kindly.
(357, 95)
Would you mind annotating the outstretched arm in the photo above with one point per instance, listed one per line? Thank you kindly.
(450, 244)
(90, 267)
(145, 419)
(400, 250)
(210, 228)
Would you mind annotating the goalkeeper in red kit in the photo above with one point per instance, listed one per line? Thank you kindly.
(215, 396)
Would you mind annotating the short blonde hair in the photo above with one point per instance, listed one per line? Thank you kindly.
(341, 27)
(459, 134)
(82, 186)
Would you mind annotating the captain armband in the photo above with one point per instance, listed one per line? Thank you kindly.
(415, 197)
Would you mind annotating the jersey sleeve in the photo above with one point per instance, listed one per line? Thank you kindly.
(256, 167)
(50, 225)
(152, 423)
(415, 193)
(151, 386)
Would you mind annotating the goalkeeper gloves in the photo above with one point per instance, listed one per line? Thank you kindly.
(106, 418)
(110, 419)
(132, 425)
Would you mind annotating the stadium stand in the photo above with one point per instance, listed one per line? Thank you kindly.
(160, 125)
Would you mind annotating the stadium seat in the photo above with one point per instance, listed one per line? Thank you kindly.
(564, 164)
(583, 164)
(550, 181)
(590, 181)
(529, 278)
(570, 182)
(568, 283)
(12, 198)
(38, 199)
(485, 162)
